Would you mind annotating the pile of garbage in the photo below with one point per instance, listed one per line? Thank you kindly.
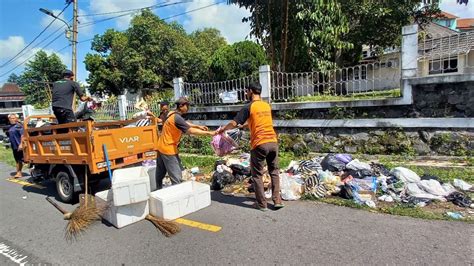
(341, 175)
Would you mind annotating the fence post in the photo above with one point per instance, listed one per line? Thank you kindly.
(122, 106)
(265, 81)
(178, 88)
(409, 61)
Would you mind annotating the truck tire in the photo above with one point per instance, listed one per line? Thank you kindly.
(65, 187)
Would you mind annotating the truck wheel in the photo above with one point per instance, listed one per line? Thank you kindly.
(65, 187)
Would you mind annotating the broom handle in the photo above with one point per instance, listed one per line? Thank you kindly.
(106, 154)
(87, 185)
(56, 205)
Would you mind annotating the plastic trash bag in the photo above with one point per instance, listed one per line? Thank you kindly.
(238, 169)
(308, 167)
(290, 186)
(360, 173)
(433, 187)
(220, 180)
(331, 163)
(412, 189)
(358, 165)
(404, 174)
(461, 184)
(344, 158)
(460, 199)
(222, 144)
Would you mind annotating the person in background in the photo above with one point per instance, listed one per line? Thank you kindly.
(63, 94)
(15, 134)
(174, 127)
(264, 144)
(164, 110)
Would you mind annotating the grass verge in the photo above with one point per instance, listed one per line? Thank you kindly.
(355, 96)
(6, 156)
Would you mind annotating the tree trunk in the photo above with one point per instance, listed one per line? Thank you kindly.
(284, 41)
(270, 32)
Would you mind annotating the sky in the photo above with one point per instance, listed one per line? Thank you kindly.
(21, 21)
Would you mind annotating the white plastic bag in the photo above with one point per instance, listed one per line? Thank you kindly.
(433, 187)
(461, 184)
(413, 190)
(358, 165)
(290, 187)
(406, 175)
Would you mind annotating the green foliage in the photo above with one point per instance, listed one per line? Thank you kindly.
(301, 35)
(237, 60)
(198, 145)
(38, 72)
(13, 78)
(148, 54)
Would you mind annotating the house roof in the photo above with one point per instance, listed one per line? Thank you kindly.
(434, 30)
(465, 23)
(11, 90)
(445, 15)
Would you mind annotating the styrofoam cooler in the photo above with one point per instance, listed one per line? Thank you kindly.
(130, 185)
(179, 200)
(121, 216)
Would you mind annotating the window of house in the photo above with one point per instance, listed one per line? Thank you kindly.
(447, 65)
(449, 23)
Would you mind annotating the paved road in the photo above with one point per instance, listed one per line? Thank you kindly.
(303, 232)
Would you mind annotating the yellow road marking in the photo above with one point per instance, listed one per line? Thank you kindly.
(24, 183)
(203, 226)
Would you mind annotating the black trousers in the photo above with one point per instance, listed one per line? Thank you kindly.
(64, 115)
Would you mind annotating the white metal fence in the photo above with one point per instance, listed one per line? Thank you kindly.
(446, 53)
(222, 92)
(365, 80)
(107, 111)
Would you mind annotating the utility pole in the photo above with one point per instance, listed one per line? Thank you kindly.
(74, 39)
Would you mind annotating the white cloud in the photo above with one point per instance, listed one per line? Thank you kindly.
(226, 18)
(462, 11)
(14, 44)
(105, 6)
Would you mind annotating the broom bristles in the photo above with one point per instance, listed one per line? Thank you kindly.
(80, 219)
(167, 228)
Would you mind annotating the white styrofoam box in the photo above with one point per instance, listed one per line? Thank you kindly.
(130, 185)
(179, 200)
(121, 216)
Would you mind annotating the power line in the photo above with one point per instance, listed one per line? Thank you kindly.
(129, 12)
(27, 59)
(170, 17)
(37, 36)
(121, 11)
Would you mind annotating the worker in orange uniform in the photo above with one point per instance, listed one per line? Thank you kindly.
(173, 128)
(264, 145)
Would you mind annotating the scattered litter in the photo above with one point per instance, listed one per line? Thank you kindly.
(24, 197)
(461, 184)
(370, 203)
(405, 175)
(454, 215)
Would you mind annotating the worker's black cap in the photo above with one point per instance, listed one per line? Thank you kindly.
(182, 101)
(67, 73)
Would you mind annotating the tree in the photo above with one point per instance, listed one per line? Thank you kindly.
(208, 41)
(37, 76)
(302, 41)
(146, 55)
(13, 78)
(237, 60)
(321, 34)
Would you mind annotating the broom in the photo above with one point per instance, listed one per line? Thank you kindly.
(167, 228)
(84, 215)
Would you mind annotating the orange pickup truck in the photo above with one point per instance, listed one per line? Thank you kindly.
(65, 152)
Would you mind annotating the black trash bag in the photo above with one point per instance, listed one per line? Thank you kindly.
(429, 177)
(331, 163)
(346, 192)
(379, 169)
(460, 199)
(219, 162)
(220, 180)
(363, 173)
(238, 169)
